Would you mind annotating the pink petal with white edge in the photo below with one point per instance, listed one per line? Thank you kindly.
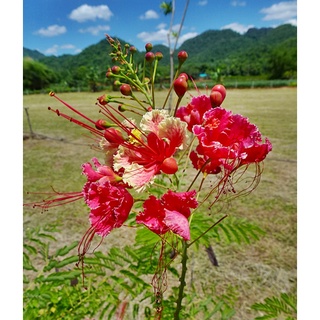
(175, 131)
(151, 120)
(139, 177)
(177, 223)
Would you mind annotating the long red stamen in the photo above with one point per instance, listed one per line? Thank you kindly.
(105, 111)
(52, 94)
(80, 123)
(58, 200)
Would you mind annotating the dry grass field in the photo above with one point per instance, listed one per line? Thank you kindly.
(247, 273)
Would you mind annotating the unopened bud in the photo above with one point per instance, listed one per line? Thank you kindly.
(133, 49)
(125, 89)
(115, 69)
(217, 95)
(180, 86)
(182, 56)
(113, 136)
(102, 124)
(169, 166)
(149, 56)
(148, 46)
(158, 55)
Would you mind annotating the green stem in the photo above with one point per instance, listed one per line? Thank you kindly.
(171, 86)
(202, 234)
(182, 280)
(177, 105)
(152, 81)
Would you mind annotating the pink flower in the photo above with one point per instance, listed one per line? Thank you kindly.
(193, 113)
(106, 196)
(103, 172)
(170, 213)
(227, 140)
(110, 205)
(149, 151)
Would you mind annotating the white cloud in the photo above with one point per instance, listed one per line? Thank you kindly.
(187, 36)
(95, 30)
(161, 36)
(54, 50)
(292, 21)
(203, 3)
(150, 14)
(283, 11)
(238, 3)
(240, 28)
(85, 12)
(52, 31)
(161, 26)
(67, 46)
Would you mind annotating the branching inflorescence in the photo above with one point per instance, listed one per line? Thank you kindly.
(201, 150)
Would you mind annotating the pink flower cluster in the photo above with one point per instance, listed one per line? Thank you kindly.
(136, 154)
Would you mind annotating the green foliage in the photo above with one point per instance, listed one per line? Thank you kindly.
(54, 286)
(283, 60)
(37, 75)
(230, 230)
(166, 7)
(283, 307)
(260, 52)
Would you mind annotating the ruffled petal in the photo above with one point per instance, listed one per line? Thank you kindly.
(177, 223)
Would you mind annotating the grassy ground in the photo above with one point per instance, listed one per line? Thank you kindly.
(249, 273)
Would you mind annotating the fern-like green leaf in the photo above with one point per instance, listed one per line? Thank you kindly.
(134, 278)
(27, 264)
(66, 249)
(29, 248)
(274, 307)
(67, 261)
(231, 230)
(239, 230)
(47, 236)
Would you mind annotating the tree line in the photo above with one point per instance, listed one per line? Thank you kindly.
(266, 53)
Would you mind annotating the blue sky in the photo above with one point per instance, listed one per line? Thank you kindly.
(56, 27)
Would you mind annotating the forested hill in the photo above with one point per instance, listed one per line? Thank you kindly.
(254, 53)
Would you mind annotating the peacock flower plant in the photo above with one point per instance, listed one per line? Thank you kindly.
(144, 145)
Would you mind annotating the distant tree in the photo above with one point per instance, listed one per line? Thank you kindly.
(283, 60)
(92, 77)
(169, 8)
(37, 76)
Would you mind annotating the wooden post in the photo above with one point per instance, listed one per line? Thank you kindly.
(29, 122)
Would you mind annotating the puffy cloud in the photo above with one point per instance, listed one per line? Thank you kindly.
(55, 49)
(95, 30)
(187, 36)
(52, 31)
(238, 3)
(150, 14)
(202, 2)
(240, 28)
(67, 46)
(283, 11)
(161, 36)
(85, 13)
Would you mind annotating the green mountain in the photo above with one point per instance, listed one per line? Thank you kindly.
(33, 54)
(264, 52)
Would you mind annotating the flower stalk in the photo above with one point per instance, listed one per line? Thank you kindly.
(200, 137)
(182, 279)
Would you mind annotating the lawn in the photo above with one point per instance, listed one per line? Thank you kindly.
(247, 273)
